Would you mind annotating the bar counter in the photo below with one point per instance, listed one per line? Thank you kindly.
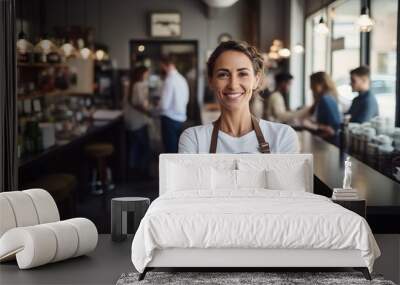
(382, 194)
(68, 156)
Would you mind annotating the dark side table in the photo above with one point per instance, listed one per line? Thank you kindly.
(119, 215)
(357, 206)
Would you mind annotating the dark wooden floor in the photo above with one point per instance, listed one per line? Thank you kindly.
(98, 208)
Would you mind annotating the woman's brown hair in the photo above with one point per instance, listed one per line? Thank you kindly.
(243, 47)
(326, 81)
(136, 76)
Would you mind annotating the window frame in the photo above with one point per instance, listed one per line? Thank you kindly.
(365, 48)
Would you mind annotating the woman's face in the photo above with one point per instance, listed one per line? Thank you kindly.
(317, 89)
(233, 80)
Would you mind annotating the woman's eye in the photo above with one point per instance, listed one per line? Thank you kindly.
(222, 75)
(243, 74)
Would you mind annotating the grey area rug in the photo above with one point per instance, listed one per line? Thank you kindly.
(275, 278)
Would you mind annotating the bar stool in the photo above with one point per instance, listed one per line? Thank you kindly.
(100, 152)
(61, 187)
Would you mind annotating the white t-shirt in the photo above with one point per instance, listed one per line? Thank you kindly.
(135, 119)
(175, 96)
(281, 138)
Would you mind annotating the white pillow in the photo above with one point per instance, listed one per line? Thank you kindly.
(224, 179)
(183, 177)
(293, 179)
(251, 178)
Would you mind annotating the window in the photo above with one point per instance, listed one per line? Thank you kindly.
(316, 50)
(342, 49)
(383, 55)
(345, 47)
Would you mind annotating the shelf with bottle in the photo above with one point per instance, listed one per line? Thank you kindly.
(47, 122)
(41, 65)
(37, 94)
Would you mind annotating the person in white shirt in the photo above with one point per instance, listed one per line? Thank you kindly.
(136, 115)
(276, 108)
(234, 72)
(173, 102)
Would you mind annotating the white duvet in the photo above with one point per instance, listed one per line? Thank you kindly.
(252, 218)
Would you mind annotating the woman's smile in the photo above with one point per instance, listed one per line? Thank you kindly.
(233, 95)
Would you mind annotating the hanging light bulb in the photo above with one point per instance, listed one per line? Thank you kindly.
(364, 22)
(45, 45)
(84, 50)
(322, 28)
(68, 49)
(85, 53)
(100, 54)
(284, 52)
(298, 48)
(273, 55)
(23, 45)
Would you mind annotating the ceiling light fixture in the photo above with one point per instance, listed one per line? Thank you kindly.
(298, 48)
(364, 22)
(67, 47)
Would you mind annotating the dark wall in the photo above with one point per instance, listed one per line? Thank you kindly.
(123, 20)
(313, 6)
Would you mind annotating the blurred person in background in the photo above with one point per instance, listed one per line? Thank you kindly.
(326, 115)
(136, 113)
(277, 109)
(364, 107)
(173, 105)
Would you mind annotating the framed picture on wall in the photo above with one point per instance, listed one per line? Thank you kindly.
(165, 24)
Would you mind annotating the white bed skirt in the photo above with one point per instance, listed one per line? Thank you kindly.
(193, 257)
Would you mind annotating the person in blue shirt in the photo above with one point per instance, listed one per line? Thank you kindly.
(364, 107)
(327, 117)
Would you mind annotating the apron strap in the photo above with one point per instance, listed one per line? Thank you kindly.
(263, 145)
(214, 137)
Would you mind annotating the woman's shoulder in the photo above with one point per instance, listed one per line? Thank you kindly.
(282, 137)
(328, 99)
(191, 138)
(198, 130)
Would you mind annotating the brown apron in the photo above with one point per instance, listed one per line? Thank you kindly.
(263, 145)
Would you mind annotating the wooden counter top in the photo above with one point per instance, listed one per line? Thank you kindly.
(382, 194)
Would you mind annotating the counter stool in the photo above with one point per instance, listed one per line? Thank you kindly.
(100, 152)
(119, 208)
(61, 187)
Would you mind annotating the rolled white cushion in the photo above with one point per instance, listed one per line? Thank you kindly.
(23, 208)
(33, 246)
(87, 235)
(41, 244)
(67, 240)
(7, 218)
(45, 205)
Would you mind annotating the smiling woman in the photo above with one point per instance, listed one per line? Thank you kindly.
(234, 75)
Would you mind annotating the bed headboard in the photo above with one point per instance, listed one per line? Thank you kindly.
(231, 161)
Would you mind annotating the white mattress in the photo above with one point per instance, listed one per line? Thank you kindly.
(253, 218)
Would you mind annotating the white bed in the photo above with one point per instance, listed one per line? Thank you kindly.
(202, 220)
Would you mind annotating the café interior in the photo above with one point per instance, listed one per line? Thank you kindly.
(68, 69)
